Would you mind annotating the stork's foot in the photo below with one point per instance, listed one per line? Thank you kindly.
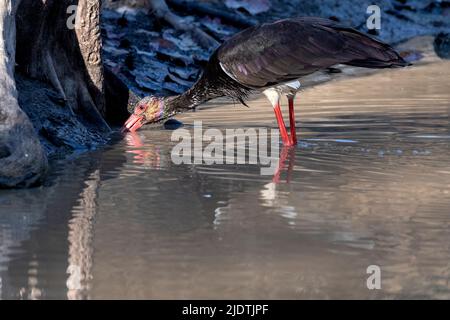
(289, 142)
(292, 142)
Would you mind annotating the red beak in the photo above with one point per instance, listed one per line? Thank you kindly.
(134, 123)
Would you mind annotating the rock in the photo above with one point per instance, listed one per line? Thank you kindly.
(441, 45)
(253, 7)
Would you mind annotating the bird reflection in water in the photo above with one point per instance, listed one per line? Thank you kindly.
(287, 155)
(150, 156)
(269, 194)
(143, 154)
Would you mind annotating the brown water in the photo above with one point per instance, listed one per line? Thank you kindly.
(368, 184)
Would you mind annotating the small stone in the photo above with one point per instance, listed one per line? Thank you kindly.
(442, 45)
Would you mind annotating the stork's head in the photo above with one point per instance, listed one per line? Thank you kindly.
(148, 110)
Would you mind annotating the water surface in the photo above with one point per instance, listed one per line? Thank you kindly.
(368, 184)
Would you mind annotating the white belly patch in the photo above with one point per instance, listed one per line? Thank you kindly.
(273, 95)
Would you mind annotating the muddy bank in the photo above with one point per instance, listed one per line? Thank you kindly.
(154, 58)
(400, 19)
(61, 131)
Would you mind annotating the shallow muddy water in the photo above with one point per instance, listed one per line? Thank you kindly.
(368, 184)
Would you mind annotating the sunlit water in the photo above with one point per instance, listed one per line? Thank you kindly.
(368, 184)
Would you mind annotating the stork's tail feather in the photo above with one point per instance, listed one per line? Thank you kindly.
(369, 52)
(375, 63)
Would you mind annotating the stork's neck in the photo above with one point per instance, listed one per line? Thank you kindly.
(199, 93)
(182, 102)
(213, 83)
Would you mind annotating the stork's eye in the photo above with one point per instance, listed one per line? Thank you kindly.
(141, 108)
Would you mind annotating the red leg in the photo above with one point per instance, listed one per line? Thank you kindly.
(287, 153)
(293, 137)
(282, 126)
(291, 164)
(281, 163)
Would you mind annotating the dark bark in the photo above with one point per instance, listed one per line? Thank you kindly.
(68, 58)
(161, 11)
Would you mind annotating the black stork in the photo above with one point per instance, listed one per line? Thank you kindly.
(270, 58)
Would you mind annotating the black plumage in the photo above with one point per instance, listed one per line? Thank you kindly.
(289, 49)
(273, 53)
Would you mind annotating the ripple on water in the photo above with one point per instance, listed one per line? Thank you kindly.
(368, 184)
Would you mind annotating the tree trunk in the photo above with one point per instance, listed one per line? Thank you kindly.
(22, 159)
(54, 47)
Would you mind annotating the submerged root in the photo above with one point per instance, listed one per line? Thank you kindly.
(161, 11)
